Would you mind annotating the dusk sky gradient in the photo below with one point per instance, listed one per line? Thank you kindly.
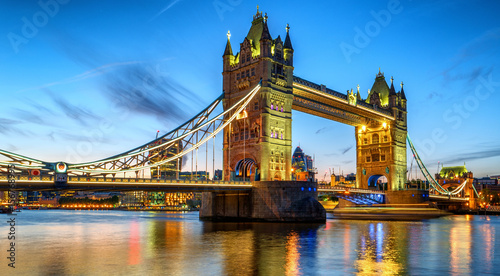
(72, 87)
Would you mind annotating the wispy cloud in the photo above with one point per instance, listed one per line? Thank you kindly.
(10, 126)
(321, 130)
(342, 151)
(103, 69)
(485, 44)
(74, 112)
(165, 9)
(345, 150)
(138, 89)
(474, 156)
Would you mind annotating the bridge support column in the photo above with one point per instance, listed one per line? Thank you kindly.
(271, 201)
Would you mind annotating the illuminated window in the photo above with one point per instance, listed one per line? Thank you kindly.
(277, 107)
(282, 136)
(281, 109)
(272, 106)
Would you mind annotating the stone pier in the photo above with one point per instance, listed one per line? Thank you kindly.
(271, 201)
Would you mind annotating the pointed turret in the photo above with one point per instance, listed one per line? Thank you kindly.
(265, 30)
(381, 88)
(392, 91)
(403, 96)
(288, 42)
(229, 49)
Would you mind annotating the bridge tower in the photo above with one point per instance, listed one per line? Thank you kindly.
(381, 146)
(258, 146)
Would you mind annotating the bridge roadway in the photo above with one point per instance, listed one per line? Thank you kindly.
(80, 183)
(351, 190)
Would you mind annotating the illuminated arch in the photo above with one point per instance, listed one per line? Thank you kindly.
(244, 167)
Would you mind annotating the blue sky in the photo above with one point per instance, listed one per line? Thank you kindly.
(67, 71)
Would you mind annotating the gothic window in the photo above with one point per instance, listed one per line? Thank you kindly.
(368, 159)
(248, 73)
(375, 157)
(280, 69)
(242, 58)
(248, 58)
(382, 157)
(385, 138)
(238, 76)
(253, 71)
(256, 105)
(365, 141)
(375, 139)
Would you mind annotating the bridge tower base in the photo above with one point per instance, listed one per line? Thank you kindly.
(270, 201)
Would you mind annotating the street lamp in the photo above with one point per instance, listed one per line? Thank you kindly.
(158, 168)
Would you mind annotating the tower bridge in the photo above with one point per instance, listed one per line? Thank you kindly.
(260, 91)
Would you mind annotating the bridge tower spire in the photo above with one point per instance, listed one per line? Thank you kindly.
(263, 135)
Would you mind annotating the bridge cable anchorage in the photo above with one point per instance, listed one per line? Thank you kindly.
(428, 176)
(188, 137)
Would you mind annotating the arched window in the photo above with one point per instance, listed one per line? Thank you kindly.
(375, 139)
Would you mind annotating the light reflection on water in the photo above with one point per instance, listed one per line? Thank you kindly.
(63, 242)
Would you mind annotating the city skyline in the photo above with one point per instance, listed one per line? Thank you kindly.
(82, 81)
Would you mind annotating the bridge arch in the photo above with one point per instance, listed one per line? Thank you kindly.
(373, 182)
(245, 168)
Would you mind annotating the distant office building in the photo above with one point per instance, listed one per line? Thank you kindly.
(486, 183)
(199, 175)
(170, 169)
(133, 199)
(302, 166)
(162, 199)
(218, 175)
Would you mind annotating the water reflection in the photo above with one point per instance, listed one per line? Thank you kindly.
(142, 243)
(381, 249)
(460, 246)
(134, 255)
(265, 248)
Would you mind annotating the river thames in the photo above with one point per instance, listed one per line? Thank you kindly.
(66, 242)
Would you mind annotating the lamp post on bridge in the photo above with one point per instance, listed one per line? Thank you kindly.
(158, 168)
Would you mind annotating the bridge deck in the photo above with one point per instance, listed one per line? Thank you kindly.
(40, 183)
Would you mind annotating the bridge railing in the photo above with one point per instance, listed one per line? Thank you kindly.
(349, 189)
(73, 179)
